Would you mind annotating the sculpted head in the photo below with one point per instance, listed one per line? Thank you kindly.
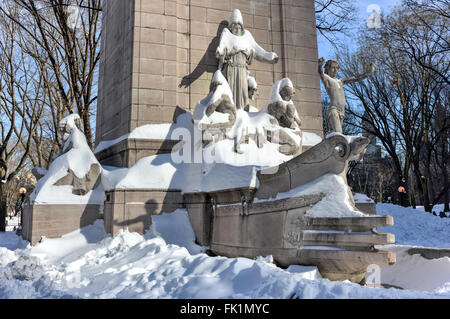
(236, 24)
(287, 93)
(66, 125)
(252, 87)
(332, 68)
(358, 147)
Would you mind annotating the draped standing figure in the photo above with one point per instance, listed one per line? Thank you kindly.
(236, 51)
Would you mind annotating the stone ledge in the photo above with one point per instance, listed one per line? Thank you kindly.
(430, 253)
(270, 206)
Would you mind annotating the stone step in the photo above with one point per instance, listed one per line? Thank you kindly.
(344, 239)
(355, 224)
(350, 265)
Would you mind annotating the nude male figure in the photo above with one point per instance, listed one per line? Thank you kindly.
(335, 90)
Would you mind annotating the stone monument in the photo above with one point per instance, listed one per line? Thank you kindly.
(263, 193)
(158, 58)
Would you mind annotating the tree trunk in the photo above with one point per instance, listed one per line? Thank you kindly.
(426, 195)
(446, 197)
(3, 207)
(445, 174)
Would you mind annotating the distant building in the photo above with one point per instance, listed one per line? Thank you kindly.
(373, 176)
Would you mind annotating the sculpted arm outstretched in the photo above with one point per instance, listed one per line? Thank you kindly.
(361, 77)
(322, 75)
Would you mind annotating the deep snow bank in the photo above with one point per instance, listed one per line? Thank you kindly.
(166, 263)
(416, 227)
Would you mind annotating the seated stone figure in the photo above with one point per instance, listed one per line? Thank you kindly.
(65, 128)
(73, 140)
(284, 114)
(218, 100)
(280, 105)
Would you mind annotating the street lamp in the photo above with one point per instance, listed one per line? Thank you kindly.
(22, 193)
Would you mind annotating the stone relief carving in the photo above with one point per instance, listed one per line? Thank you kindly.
(233, 87)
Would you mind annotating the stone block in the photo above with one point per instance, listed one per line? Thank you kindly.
(134, 213)
(53, 220)
(199, 209)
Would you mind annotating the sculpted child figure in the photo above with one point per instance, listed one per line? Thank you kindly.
(335, 90)
(284, 114)
(281, 106)
(219, 99)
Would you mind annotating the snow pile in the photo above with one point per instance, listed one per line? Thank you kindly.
(417, 273)
(54, 250)
(336, 202)
(311, 139)
(436, 208)
(416, 227)
(218, 176)
(248, 124)
(361, 198)
(161, 172)
(152, 131)
(166, 263)
(78, 159)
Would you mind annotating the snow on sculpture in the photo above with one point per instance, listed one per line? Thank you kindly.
(218, 119)
(236, 51)
(280, 104)
(252, 89)
(76, 168)
(219, 100)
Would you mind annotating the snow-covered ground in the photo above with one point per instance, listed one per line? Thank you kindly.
(166, 263)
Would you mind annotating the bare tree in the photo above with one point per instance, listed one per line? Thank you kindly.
(402, 98)
(69, 52)
(334, 17)
(21, 104)
(48, 68)
(433, 17)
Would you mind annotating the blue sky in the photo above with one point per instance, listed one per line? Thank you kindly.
(327, 51)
